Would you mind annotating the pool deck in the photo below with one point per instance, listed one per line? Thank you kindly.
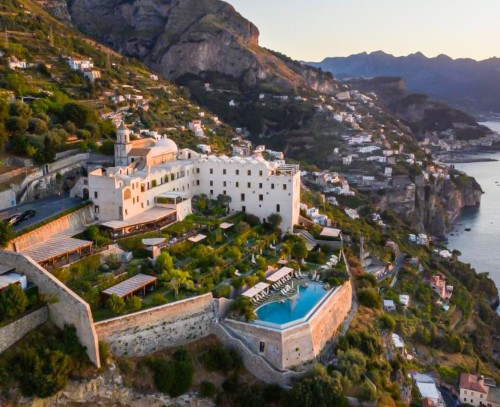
(297, 321)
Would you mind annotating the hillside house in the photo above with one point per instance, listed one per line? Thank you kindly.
(438, 285)
(479, 391)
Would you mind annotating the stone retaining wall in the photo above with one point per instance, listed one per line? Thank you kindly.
(81, 217)
(165, 326)
(15, 331)
(68, 309)
(254, 363)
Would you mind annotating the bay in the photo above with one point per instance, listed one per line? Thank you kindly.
(481, 245)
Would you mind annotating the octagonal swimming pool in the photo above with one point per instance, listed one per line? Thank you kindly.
(293, 309)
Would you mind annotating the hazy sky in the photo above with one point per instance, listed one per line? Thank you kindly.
(314, 29)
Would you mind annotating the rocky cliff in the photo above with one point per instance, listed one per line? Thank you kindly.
(188, 37)
(108, 390)
(430, 207)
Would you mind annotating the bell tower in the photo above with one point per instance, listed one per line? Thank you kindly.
(122, 146)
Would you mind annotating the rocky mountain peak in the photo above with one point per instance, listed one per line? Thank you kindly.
(178, 38)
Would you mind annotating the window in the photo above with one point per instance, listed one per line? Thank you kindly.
(197, 170)
(249, 172)
(211, 192)
(237, 172)
(95, 194)
(261, 197)
(260, 173)
(224, 192)
(278, 208)
(211, 170)
(211, 183)
(142, 205)
(262, 347)
(223, 172)
(260, 185)
(224, 184)
(284, 187)
(249, 184)
(237, 184)
(198, 182)
(242, 197)
(148, 202)
(96, 209)
(126, 212)
(465, 391)
(243, 209)
(272, 186)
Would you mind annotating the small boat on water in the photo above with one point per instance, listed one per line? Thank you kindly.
(467, 229)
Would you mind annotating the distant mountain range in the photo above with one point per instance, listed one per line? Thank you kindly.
(473, 86)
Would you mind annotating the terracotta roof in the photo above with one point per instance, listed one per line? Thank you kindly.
(139, 152)
(428, 403)
(470, 382)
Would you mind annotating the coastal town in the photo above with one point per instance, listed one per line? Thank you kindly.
(168, 250)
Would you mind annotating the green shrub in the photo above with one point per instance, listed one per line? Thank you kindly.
(369, 298)
(207, 389)
(221, 359)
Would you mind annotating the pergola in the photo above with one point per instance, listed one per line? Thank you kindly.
(58, 251)
(129, 287)
(153, 218)
(255, 290)
(280, 276)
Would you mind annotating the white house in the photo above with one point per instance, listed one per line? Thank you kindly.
(389, 306)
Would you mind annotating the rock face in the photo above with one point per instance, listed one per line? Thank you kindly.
(189, 37)
(430, 207)
(108, 390)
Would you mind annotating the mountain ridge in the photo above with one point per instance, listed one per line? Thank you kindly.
(465, 83)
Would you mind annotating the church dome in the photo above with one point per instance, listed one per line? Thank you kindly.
(165, 146)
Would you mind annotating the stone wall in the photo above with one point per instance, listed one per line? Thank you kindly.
(69, 309)
(16, 330)
(81, 217)
(253, 362)
(7, 199)
(329, 318)
(153, 329)
(286, 348)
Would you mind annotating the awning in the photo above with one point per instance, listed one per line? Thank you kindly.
(282, 272)
(149, 216)
(55, 247)
(153, 241)
(258, 288)
(330, 232)
(130, 286)
(197, 238)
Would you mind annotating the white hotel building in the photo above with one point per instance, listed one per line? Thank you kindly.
(153, 182)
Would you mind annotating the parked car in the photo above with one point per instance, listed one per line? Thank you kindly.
(27, 215)
(13, 220)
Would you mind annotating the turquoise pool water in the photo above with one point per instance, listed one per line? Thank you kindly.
(294, 308)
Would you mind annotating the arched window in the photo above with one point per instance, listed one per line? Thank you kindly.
(127, 194)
